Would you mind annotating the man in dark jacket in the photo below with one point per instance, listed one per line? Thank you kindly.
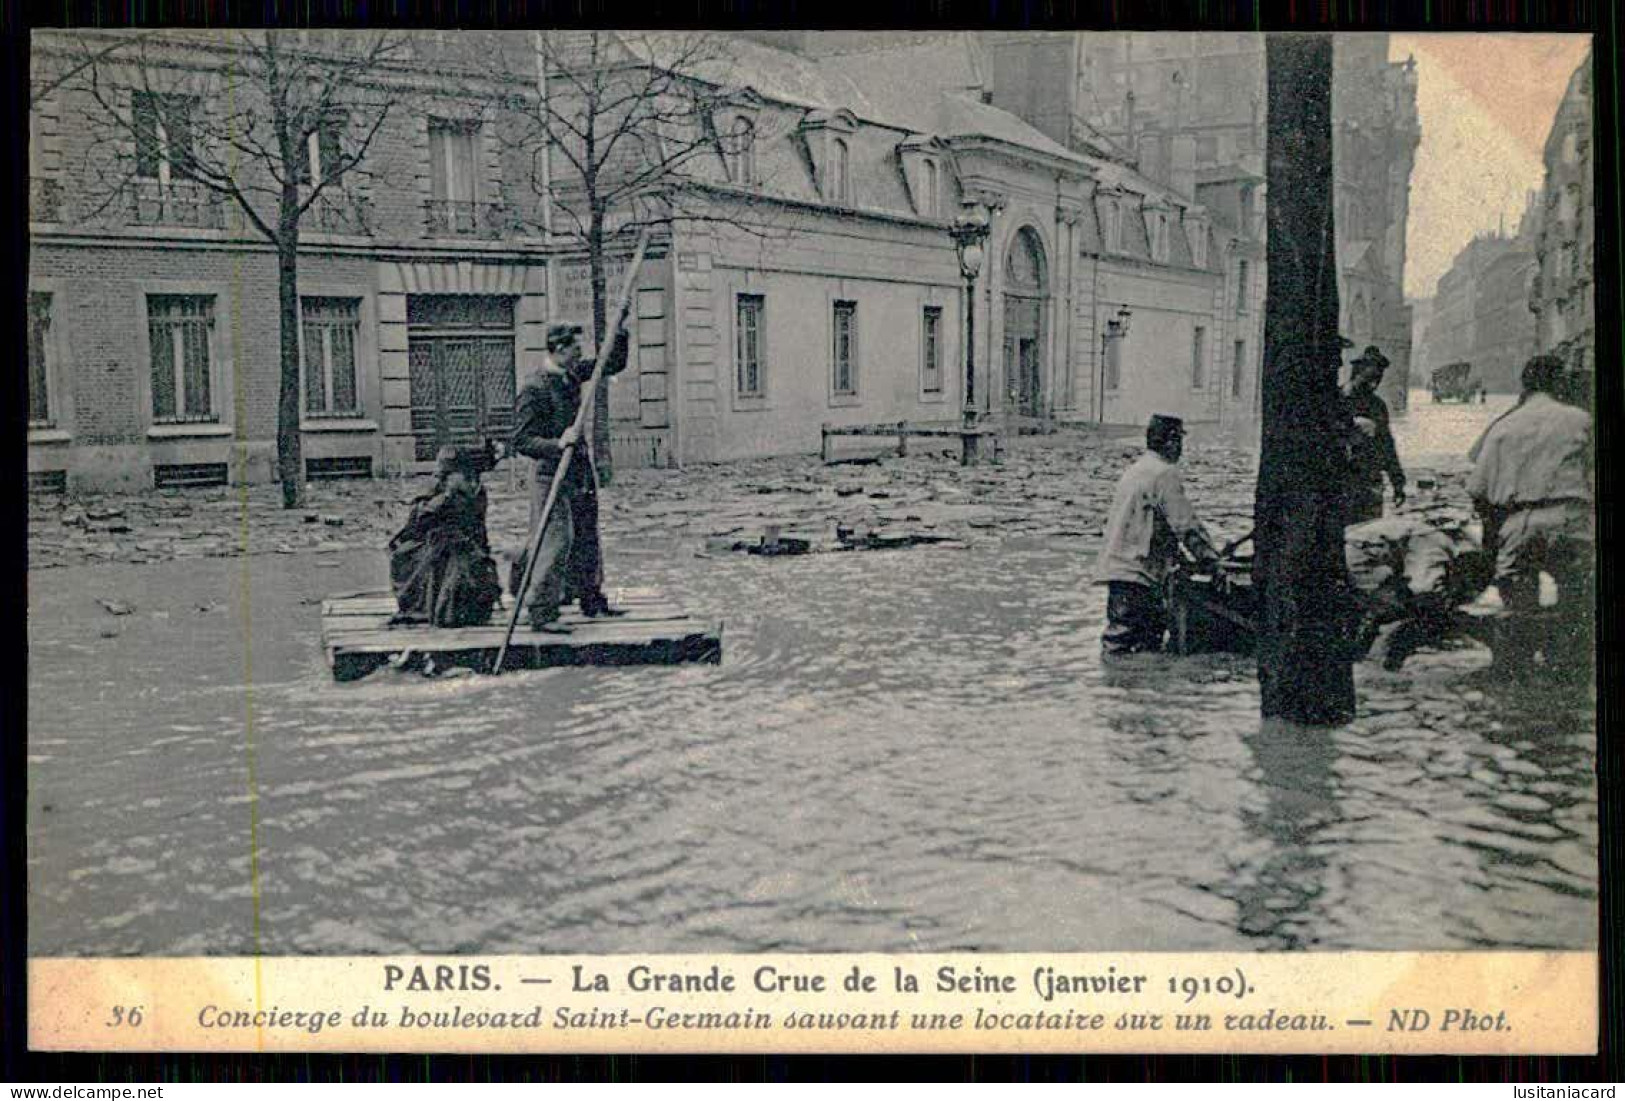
(569, 561)
(1371, 442)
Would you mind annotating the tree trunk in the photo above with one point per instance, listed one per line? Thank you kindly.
(290, 462)
(1305, 668)
(601, 458)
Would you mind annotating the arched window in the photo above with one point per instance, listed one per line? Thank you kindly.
(1024, 263)
(840, 183)
(742, 147)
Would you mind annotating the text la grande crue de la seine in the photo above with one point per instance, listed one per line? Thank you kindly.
(1045, 980)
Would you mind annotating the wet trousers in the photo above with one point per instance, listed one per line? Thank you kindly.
(1557, 540)
(1136, 620)
(570, 558)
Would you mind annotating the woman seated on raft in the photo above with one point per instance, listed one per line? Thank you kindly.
(440, 561)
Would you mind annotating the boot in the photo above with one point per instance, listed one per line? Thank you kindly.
(546, 621)
(597, 605)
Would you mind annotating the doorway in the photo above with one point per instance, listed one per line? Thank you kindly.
(461, 351)
(1025, 290)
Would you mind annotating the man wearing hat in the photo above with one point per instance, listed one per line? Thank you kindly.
(1371, 442)
(569, 562)
(1531, 482)
(1150, 520)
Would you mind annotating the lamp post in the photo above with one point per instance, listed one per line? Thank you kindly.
(969, 232)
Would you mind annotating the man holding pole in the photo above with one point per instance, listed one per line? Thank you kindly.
(569, 559)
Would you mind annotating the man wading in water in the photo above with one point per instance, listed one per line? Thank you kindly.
(1150, 519)
(570, 559)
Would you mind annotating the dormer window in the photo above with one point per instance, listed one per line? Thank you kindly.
(925, 174)
(1196, 227)
(1156, 227)
(828, 135)
(1111, 224)
(840, 177)
(742, 152)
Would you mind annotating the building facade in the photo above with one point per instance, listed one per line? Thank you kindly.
(1480, 311)
(1188, 110)
(154, 350)
(811, 280)
(1562, 295)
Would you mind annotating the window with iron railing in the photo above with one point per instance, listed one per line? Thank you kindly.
(845, 350)
(163, 191)
(163, 135)
(329, 327)
(180, 330)
(750, 351)
(324, 154)
(457, 206)
(931, 350)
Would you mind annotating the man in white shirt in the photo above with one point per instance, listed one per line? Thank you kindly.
(1150, 520)
(1531, 482)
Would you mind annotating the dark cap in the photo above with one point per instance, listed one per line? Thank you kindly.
(1372, 357)
(561, 333)
(1344, 343)
(1161, 428)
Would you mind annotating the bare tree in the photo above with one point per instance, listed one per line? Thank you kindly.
(45, 79)
(622, 137)
(1305, 667)
(270, 120)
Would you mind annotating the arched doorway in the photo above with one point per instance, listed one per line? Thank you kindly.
(1026, 284)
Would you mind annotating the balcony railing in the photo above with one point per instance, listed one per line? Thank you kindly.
(177, 203)
(341, 214)
(44, 199)
(454, 218)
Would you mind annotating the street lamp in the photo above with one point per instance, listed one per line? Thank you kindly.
(969, 232)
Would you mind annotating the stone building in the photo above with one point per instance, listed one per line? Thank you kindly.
(154, 343)
(1189, 110)
(1480, 311)
(814, 282)
(1563, 293)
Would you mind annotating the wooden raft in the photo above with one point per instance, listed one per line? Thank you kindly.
(358, 638)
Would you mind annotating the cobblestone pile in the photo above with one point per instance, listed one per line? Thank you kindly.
(1055, 487)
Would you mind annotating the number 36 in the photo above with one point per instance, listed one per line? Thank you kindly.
(123, 1016)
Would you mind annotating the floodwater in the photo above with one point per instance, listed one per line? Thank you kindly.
(903, 750)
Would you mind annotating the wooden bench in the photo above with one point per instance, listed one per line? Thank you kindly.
(970, 439)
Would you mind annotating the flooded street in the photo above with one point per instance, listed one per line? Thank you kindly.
(902, 750)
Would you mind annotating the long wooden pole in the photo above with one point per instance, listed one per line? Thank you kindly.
(583, 410)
